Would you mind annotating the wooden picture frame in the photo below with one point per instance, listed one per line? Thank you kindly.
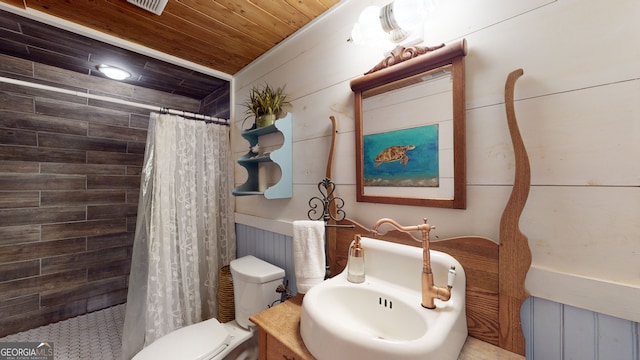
(398, 106)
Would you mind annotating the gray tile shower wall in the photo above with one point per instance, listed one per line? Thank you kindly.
(69, 179)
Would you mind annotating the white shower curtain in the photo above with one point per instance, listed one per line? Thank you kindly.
(184, 231)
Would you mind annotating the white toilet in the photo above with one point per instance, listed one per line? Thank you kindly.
(254, 289)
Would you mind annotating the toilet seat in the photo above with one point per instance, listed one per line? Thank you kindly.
(201, 341)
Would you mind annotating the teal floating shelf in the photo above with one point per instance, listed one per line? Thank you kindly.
(282, 157)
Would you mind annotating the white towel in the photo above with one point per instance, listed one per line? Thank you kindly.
(308, 253)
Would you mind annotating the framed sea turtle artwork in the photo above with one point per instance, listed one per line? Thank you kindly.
(402, 158)
(410, 128)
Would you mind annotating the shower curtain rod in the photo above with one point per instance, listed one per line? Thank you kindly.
(163, 110)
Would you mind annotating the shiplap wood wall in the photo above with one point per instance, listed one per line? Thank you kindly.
(553, 331)
(577, 110)
(69, 178)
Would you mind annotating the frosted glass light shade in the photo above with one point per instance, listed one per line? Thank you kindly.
(371, 31)
(408, 13)
(398, 22)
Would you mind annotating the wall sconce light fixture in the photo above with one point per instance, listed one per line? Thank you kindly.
(113, 72)
(399, 22)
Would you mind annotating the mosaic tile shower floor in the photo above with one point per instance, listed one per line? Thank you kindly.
(94, 336)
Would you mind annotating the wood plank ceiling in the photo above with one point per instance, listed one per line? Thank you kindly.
(223, 35)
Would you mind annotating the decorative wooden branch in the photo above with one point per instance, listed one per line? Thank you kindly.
(400, 54)
(330, 232)
(513, 243)
(332, 148)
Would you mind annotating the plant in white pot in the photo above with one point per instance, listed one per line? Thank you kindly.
(265, 104)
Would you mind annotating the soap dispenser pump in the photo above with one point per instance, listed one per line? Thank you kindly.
(355, 264)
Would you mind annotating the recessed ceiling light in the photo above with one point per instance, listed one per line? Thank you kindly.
(113, 72)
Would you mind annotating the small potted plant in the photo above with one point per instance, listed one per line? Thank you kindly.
(265, 104)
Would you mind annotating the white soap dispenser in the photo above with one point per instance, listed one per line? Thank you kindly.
(355, 264)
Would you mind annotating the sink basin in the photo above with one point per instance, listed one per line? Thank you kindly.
(382, 318)
(367, 312)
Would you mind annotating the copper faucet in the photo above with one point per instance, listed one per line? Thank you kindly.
(429, 291)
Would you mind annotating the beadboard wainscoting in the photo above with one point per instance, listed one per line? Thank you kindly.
(274, 248)
(553, 331)
(558, 331)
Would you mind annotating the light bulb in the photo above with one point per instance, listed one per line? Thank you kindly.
(113, 72)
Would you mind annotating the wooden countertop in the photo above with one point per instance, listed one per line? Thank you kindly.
(283, 323)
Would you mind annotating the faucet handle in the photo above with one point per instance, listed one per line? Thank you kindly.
(431, 227)
(451, 277)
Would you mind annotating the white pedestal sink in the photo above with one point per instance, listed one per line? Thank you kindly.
(382, 318)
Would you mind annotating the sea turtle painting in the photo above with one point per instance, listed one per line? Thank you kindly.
(394, 153)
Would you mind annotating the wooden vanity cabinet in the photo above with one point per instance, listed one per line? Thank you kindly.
(272, 348)
(279, 335)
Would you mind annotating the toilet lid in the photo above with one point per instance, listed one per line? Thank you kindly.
(199, 341)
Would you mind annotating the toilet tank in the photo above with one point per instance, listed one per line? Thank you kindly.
(254, 287)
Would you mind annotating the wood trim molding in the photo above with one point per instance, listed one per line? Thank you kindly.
(410, 67)
(514, 245)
